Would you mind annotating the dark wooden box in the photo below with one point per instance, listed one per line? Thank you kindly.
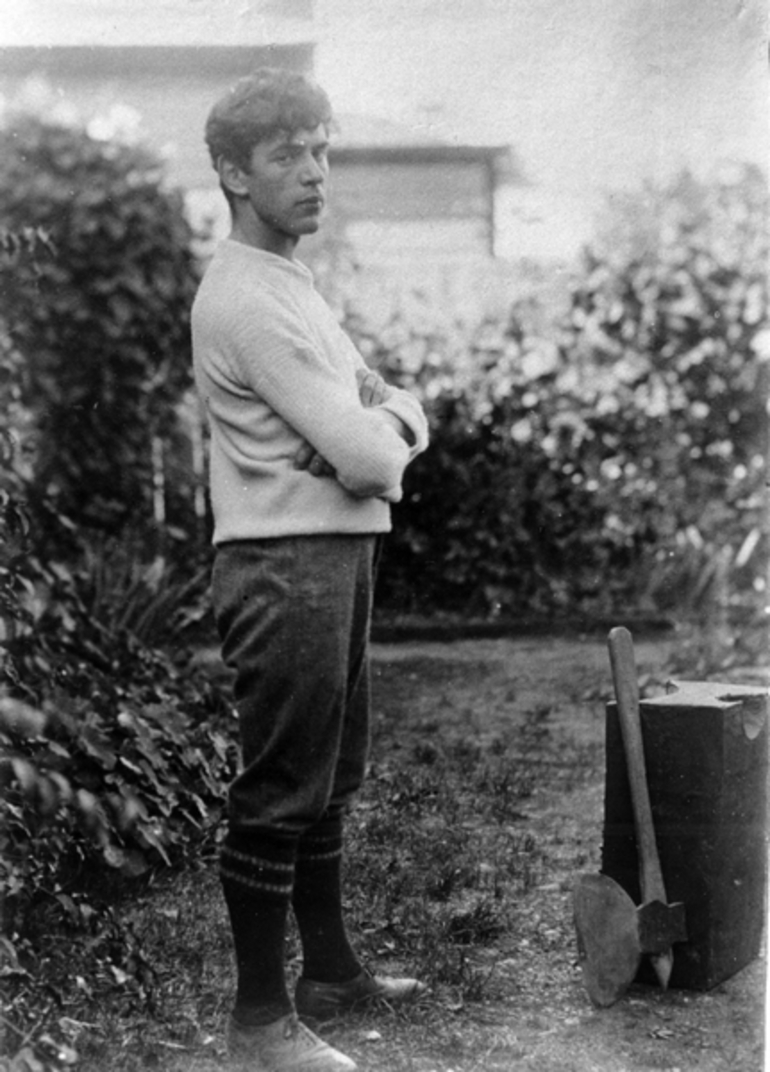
(706, 751)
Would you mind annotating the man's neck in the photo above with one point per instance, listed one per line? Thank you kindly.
(253, 232)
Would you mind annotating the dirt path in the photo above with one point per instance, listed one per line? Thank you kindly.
(540, 1017)
(545, 698)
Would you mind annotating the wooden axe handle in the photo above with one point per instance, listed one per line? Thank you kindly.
(627, 693)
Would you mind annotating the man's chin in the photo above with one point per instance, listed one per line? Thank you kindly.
(308, 226)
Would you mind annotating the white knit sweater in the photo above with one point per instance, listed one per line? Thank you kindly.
(273, 368)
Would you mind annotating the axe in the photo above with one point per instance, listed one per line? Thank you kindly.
(612, 932)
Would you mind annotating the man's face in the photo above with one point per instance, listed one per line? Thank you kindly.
(286, 184)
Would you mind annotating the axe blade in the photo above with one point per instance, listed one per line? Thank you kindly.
(607, 926)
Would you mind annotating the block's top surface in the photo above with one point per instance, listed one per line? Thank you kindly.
(709, 694)
(750, 703)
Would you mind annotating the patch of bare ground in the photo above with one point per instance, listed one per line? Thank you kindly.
(483, 804)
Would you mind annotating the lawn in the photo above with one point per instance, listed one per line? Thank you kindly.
(483, 803)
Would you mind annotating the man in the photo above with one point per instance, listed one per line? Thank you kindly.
(308, 449)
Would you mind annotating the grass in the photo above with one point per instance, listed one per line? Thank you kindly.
(482, 803)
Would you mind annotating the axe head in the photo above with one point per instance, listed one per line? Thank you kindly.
(660, 925)
(613, 935)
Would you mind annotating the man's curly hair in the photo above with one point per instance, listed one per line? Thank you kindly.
(262, 104)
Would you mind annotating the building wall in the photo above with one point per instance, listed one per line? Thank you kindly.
(412, 191)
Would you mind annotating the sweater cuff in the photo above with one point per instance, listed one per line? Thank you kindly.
(407, 409)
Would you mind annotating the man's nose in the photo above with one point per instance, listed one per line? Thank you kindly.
(313, 172)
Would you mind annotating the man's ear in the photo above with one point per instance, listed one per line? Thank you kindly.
(231, 176)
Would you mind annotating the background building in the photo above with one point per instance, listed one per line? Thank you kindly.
(595, 98)
(396, 197)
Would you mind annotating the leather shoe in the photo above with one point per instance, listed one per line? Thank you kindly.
(323, 1001)
(286, 1045)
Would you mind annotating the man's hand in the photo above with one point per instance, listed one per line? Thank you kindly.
(372, 389)
(307, 457)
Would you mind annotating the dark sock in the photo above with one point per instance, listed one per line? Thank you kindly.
(257, 875)
(327, 956)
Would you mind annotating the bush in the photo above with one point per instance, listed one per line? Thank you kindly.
(670, 348)
(114, 757)
(606, 467)
(496, 517)
(111, 752)
(114, 760)
(103, 323)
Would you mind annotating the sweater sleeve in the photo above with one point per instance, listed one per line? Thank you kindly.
(279, 360)
(399, 402)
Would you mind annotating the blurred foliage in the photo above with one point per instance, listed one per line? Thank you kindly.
(103, 322)
(114, 755)
(671, 319)
(114, 759)
(617, 463)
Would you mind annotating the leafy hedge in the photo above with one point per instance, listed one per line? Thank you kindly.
(617, 463)
(114, 762)
(109, 747)
(114, 755)
(103, 325)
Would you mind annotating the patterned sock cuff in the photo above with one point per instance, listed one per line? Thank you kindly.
(258, 863)
(322, 843)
